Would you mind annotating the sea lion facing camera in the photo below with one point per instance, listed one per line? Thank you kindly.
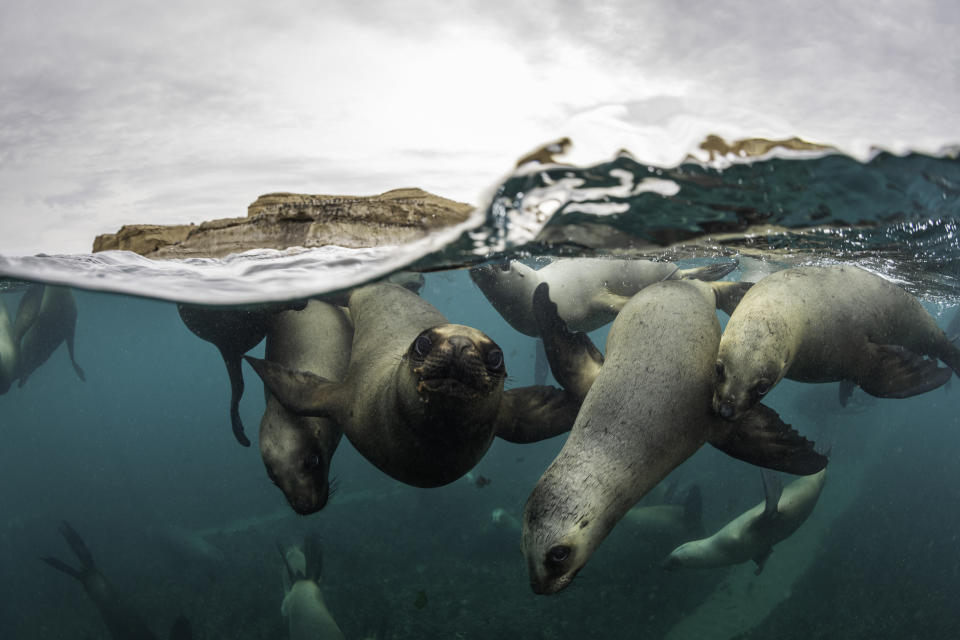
(297, 450)
(589, 292)
(646, 411)
(303, 605)
(751, 535)
(828, 324)
(47, 316)
(422, 399)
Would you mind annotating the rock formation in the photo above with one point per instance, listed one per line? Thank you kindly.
(282, 220)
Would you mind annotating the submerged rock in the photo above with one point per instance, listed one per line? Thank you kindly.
(283, 220)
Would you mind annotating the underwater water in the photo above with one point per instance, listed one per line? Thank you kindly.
(140, 460)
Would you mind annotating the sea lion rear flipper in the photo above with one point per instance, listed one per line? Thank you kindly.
(234, 371)
(60, 565)
(772, 490)
(302, 392)
(181, 629)
(77, 544)
(761, 560)
(729, 294)
(763, 439)
(709, 272)
(531, 414)
(897, 372)
(574, 360)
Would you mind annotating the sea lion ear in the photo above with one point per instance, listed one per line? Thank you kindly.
(301, 392)
(763, 439)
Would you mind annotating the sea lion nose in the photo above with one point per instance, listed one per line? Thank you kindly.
(726, 409)
(460, 344)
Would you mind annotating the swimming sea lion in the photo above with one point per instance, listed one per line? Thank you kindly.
(751, 535)
(121, 621)
(422, 399)
(9, 350)
(828, 324)
(646, 411)
(47, 316)
(588, 291)
(297, 450)
(303, 604)
(669, 521)
(233, 332)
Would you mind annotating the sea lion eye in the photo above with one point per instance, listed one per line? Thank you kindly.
(558, 554)
(494, 359)
(762, 388)
(421, 346)
(311, 462)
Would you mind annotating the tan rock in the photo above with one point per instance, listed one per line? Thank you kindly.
(282, 220)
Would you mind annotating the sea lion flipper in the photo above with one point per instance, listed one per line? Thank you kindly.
(574, 360)
(609, 301)
(234, 371)
(729, 294)
(531, 414)
(60, 565)
(897, 372)
(761, 560)
(77, 544)
(73, 360)
(708, 272)
(302, 392)
(772, 490)
(763, 439)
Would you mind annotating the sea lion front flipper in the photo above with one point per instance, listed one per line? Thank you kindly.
(760, 437)
(709, 272)
(772, 490)
(574, 360)
(73, 360)
(302, 392)
(531, 414)
(232, 360)
(729, 294)
(608, 300)
(761, 560)
(896, 372)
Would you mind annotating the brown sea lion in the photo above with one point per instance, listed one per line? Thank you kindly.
(422, 399)
(297, 450)
(828, 324)
(646, 410)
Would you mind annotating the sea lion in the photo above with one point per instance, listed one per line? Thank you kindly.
(422, 399)
(9, 350)
(646, 410)
(296, 450)
(303, 605)
(669, 521)
(588, 291)
(122, 622)
(233, 332)
(47, 316)
(828, 324)
(751, 535)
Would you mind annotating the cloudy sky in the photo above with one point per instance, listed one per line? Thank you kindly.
(124, 111)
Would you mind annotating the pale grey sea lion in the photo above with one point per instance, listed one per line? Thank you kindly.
(669, 520)
(589, 292)
(751, 535)
(46, 317)
(297, 450)
(828, 324)
(303, 605)
(422, 399)
(9, 350)
(646, 411)
(122, 622)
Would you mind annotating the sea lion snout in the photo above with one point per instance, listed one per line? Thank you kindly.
(723, 408)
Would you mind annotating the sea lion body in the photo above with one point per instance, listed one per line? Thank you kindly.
(303, 605)
(589, 292)
(646, 411)
(752, 535)
(422, 399)
(9, 350)
(46, 317)
(297, 450)
(828, 324)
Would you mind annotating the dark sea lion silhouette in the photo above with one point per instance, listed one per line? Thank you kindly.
(46, 317)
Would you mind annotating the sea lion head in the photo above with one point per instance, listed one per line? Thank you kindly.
(559, 536)
(296, 452)
(751, 360)
(455, 362)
